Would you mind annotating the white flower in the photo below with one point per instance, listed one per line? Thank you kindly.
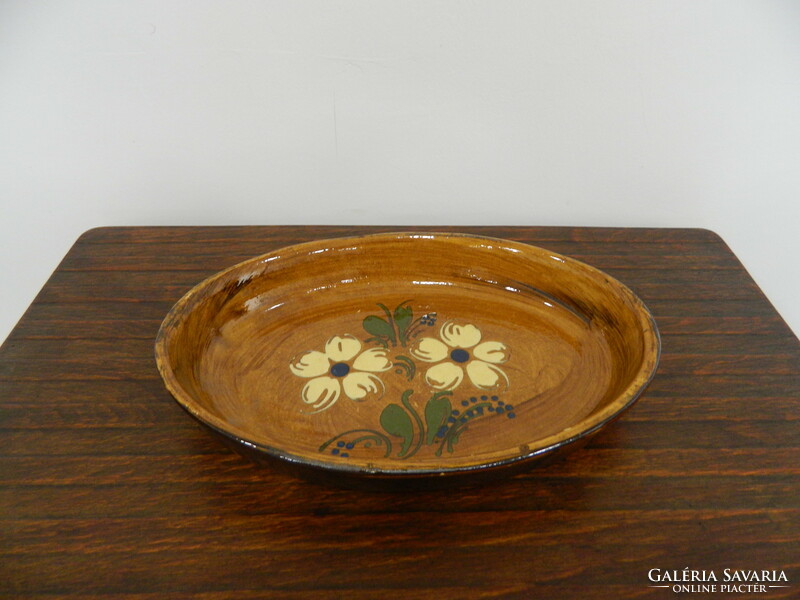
(460, 343)
(340, 366)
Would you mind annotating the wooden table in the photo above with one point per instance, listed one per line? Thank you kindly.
(109, 490)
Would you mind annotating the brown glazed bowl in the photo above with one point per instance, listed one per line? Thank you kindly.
(407, 358)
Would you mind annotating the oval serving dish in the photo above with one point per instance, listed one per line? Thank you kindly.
(407, 357)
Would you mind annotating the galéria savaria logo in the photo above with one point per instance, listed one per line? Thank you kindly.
(727, 581)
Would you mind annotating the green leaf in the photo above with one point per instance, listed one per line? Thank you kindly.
(395, 421)
(436, 412)
(402, 319)
(379, 327)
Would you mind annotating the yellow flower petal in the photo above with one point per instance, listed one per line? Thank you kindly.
(486, 376)
(321, 392)
(429, 350)
(374, 360)
(358, 386)
(491, 352)
(444, 376)
(310, 364)
(342, 348)
(460, 336)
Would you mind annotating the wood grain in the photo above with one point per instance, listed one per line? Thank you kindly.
(108, 490)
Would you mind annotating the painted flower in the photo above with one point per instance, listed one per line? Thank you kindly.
(341, 366)
(460, 349)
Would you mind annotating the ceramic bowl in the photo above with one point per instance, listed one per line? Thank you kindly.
(405, 357)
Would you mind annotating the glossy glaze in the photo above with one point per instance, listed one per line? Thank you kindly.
(408, 354)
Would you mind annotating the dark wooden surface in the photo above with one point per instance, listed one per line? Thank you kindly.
(109, 490)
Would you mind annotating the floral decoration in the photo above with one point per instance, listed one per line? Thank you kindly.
(458, 350)
(341, 366)
(345, 366)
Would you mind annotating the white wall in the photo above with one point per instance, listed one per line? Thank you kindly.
(652, 113)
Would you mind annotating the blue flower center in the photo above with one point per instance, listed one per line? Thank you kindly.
(340, 369)
(459, 355)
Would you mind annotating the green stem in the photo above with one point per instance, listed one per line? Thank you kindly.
(417, 323)
(457, 427)
(402, 336)
(390, 319)
(407, 364)
(380, 341)
(414, 414)
(377, 440)
(371, 434)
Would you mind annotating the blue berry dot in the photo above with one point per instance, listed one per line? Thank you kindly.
(511, 415)
(340, 444)
(451, 420)
(340, 369)
(494, 398)
(455, 413)
(484, 398)
(473, 399)
(350, 446)
(490, 408)
(509, 407)
(459, 355)
(335, 451)
(501, 403)
(345, 455)
(463, 419)
(465, 403)
(500, 410)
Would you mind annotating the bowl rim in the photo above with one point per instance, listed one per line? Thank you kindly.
(583, 429)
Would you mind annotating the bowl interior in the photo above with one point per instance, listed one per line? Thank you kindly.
(408, 352)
